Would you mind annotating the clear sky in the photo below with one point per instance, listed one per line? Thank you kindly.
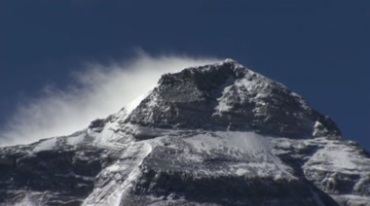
(319, 49)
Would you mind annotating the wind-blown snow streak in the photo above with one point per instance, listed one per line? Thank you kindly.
(95, 92)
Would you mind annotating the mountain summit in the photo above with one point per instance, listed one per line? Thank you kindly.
(227, 96)
(217, 134)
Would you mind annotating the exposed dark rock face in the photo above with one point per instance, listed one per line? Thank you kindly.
(59, 176)
(230, 97)
(216, 135)
(225, 190)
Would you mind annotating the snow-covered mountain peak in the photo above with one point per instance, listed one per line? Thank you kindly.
(229, 60)
(217, 135)
(228, 96)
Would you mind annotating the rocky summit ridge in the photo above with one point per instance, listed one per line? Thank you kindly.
(227, 96)
(218, 134)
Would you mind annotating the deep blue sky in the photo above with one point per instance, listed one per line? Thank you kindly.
(319, 49)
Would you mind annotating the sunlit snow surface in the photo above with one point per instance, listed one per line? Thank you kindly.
(231, 153)
(47, 144)
(245, 153)
(235, 154)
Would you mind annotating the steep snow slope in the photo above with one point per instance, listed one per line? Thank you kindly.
(213, 135)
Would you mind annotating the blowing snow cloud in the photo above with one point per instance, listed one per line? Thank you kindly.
(96, 92)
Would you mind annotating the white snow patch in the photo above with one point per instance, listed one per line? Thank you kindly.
(122, 176)
(45, 145)
(75, 140)
(338, 157)
(26, 201)
(318, 128)
(252, 151)
(246, 142)
(223, 102)
(241, 171)
(252, 83)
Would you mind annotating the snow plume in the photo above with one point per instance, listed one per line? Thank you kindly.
(95, 92)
